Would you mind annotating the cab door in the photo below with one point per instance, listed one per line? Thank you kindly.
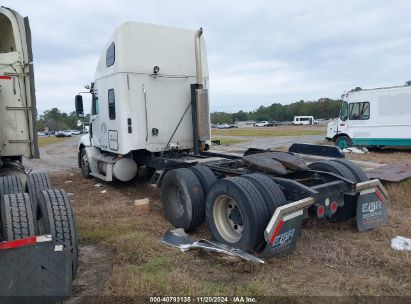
(343, 119)
(95, 120)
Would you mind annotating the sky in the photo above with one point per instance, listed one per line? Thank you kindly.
(259, 52)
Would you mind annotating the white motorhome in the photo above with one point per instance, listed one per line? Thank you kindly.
(304, 120)
(374, 117)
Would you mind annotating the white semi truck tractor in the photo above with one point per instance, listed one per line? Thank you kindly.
(38, 240)
(150, 111)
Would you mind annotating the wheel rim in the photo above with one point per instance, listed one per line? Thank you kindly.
(228, 218)
(343, 143)
(178, 199)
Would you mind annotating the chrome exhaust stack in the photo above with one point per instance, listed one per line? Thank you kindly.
(199, 103)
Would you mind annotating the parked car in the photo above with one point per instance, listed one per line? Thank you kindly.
(63, 134)
(263, 123)
(75, 132)
(227, 126)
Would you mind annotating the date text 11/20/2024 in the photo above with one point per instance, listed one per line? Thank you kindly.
(203, 299)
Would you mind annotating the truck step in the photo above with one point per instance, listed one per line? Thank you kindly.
(100, 176)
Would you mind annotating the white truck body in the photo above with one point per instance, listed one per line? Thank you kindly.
(18, 135)
(139, 109)
(304, 120)
(375, 117)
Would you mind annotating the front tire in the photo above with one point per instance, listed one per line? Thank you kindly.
(343, 142)
(84, 164)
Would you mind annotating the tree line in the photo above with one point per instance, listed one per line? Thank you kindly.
(55, 120)
(323, 108)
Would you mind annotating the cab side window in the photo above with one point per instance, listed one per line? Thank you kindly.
(111, 104)
(111, 55)
(95, 108)
(360, 110)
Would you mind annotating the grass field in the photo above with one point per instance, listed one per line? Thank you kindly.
(251, 132)
(230, 141)
(48, 140)
(330, 258)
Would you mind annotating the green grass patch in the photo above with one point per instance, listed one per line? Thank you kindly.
(229, 141)
(93, 231)
(266, 132)
(44, 141)
(160, 276)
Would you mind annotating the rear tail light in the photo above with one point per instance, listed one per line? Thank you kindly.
(333, 206)
(380, 196)
(320, 211)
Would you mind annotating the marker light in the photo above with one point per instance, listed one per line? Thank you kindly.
(320, 211)
(333, 206)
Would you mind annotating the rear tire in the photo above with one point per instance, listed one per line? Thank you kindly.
(17, 220)
(10, 185)
(236, 213)
(183, 199)
(355, 170)
(56, 217)
(205, 176)
(332, 167)
(348, 210)
(271, 192)
(35, 183)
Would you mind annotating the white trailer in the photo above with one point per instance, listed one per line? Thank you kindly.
(34, 217)
(150, 110)
(374, 118)
(304, 120)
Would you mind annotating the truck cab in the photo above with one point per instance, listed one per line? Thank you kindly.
(147, 85)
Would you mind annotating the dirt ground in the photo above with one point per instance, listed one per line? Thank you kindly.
(121, 253)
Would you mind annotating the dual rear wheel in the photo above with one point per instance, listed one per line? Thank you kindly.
(349, 170)
(237, 209)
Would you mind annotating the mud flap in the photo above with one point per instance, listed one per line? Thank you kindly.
(41, 270)
(371, 209)
(283, 230)
(284, 242)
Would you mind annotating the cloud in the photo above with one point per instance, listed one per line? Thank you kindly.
(259, 51)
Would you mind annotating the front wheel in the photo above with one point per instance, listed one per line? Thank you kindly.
(84, 164)
(343, 142)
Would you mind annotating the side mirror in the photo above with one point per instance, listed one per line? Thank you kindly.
(79, 106)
